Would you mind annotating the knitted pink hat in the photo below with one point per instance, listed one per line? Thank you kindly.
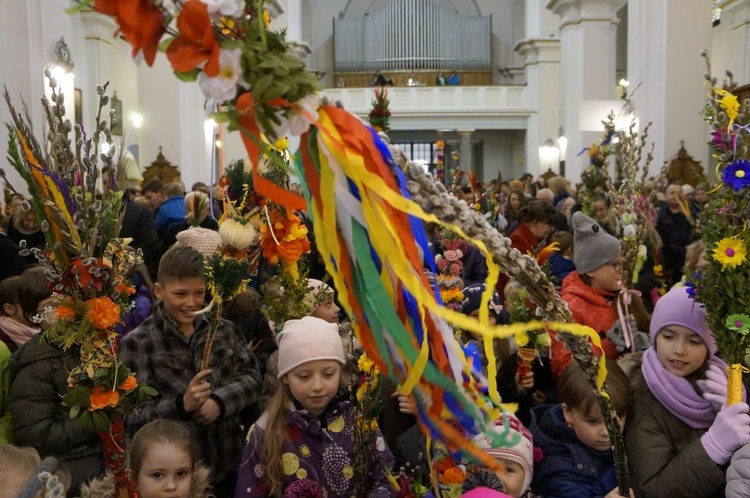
(517, 445)
(676, 307)
(308, 339)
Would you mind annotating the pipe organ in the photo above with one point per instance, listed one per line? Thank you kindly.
(411, 35)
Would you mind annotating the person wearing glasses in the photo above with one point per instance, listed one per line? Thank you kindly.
(592, 289)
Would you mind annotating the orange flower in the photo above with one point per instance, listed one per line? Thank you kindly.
(291, 235)
(103, 312)
(128, 384)
(124, 288)
(62, 312)
(453, 475)
(102, 399)
(196, 42)
(141, 23)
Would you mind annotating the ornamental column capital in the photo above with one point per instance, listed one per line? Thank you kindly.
(574, 12)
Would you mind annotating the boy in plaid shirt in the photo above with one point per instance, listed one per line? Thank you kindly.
(166, 351)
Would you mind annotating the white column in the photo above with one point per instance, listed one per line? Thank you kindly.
(588, 31)
(542, 83)
(665, 38)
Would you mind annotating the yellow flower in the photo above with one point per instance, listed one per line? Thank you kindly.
(543, 340)
(522, 339)
(729, 103)
(365, 364)
(730, 251)
(451, 295)
(266, 18)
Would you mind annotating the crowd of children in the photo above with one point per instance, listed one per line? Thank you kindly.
(271, 415)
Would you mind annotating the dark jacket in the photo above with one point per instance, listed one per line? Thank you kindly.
(13, 263)
(318, 448)
(676, 233)
(40, 378)
(138, 224)
(568, 468)
(165, 359)
(667, 458)
(35, 239)
(170, 236)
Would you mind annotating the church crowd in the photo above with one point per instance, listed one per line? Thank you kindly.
(273, 415)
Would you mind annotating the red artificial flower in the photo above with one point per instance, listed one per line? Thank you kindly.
(102, 399)
(141, 22)
(196, 42)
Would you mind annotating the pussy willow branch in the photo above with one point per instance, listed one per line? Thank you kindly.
(433, 198)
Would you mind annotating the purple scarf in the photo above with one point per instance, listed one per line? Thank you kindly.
(676, 393)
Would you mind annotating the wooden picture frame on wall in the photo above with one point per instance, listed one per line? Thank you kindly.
(116, 105)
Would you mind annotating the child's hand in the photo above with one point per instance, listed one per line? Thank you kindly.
(526, 382)
(405, 404)
(616, 494)
(207, 413)
(197, 392)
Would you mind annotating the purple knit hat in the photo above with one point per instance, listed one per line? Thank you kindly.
(676, 307)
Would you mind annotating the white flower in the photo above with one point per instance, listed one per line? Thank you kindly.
(224, 7)
(237, 235)
(300, 122)
(224, 86)
(628, 232)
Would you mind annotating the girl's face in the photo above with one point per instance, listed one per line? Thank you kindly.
(166, 472)
(327, 311)
(512, 477)
(475, 314)
(590, 428)
(607, 277)
(680, 350)
(314, 384)
(515, 201)
(600, 210)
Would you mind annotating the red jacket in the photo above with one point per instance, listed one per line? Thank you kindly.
(523, 240)
(590, 307)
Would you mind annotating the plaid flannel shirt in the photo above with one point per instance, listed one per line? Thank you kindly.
(162, 357)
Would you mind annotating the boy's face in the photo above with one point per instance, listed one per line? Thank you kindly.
(181, 299)
(328, 311)
(512, 477)
(589, 427)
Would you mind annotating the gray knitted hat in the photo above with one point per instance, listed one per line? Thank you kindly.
(592, 245)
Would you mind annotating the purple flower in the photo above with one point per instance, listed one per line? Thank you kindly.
(304, 488)
(690, 289)
(737, 174)
(717, 138)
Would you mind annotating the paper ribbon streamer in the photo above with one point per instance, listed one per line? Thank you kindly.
(623, 301)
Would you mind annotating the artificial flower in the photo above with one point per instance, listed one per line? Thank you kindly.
(103, 312)
(737, 174)
(365, 364)
(306, 114)
(543, 340)
(522, 339)
(223, 87)
(128, 384)
(690, 289)
(629, 232)
(236, 234)
(729, 103)
(739, 323)
(285, 238)
(196, 43)
(453, 475)
(266, 18)
(63, 312)
(451, 295)
(730, 251)
(141, 22)
(101, 398)
(224, 7)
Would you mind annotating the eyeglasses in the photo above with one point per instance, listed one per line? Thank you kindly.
(617, 265)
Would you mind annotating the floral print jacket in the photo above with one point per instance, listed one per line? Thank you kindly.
(319, 450)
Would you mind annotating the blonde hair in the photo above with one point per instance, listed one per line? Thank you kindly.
(18, 465)
(277, 414)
